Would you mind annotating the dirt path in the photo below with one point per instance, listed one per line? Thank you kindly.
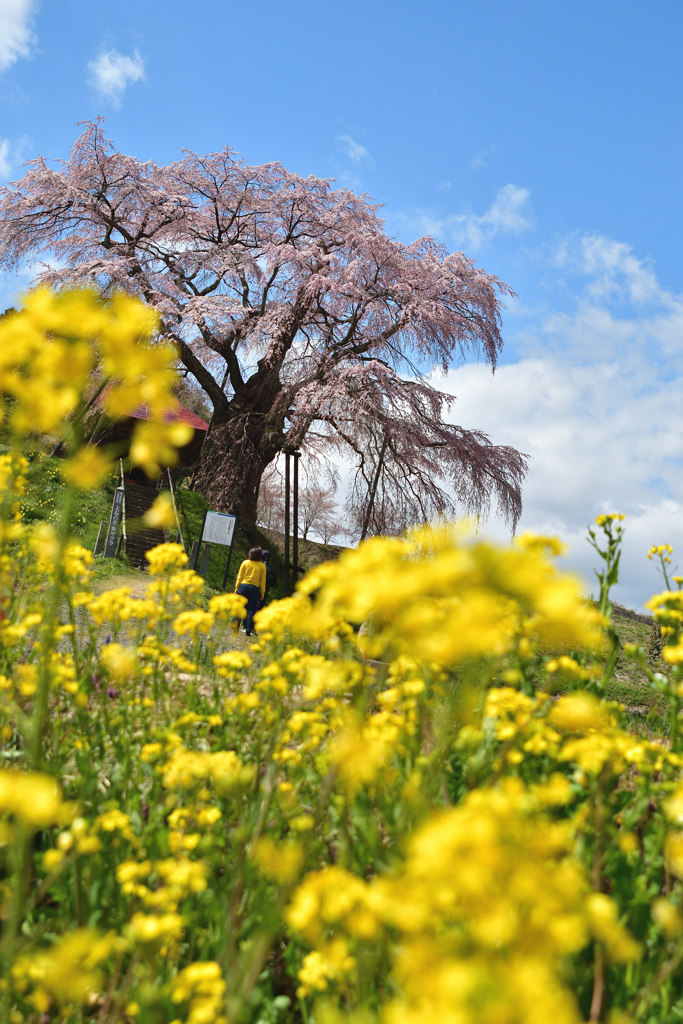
(133, 578)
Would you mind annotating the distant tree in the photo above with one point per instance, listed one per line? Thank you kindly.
(300, 319)
(318, 509)
(270, 510)
(317, 504)
(329, 528)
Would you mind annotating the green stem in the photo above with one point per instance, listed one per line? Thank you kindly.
(20, 861)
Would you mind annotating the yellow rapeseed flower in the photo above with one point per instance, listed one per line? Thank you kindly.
(281, 861)
(441, 601)
(228, 606)
(154, 445)
(194, 621)
(578, 712)
(144, 928)
(88, 468)
(120, 662)
(162, 515)
(32, 797)
(165, 557)
(68, 971)
(667, 916)
(609, 517)
(488, 901)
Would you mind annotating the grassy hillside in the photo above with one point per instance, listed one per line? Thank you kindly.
(629, 685)
(45, 489)
(311, 552)
(44, 492)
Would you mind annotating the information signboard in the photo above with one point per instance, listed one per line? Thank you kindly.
(219, 528)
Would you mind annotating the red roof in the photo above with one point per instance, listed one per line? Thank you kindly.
(180, 413)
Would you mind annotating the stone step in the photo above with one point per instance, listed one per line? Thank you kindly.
(138, 500)
(138, 544)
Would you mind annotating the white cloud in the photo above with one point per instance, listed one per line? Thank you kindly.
(595, 403)
(615, 270)
(357, 153)
(111, 73)
(509, 213)
(480, 159)
(15, 30)
(594, 399)
(11, 153)
(5, 163)
(597, 444)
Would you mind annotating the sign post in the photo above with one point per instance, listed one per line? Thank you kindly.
(101, 538)
(114, 523)
(204, 567)
(217, 528)
(227, 565)
(194, 554)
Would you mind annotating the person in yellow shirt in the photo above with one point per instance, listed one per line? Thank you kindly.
(251, 583)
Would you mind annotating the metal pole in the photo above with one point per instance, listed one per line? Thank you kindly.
(194, 553)
(295, 525)
(287, 591)
(175, 510)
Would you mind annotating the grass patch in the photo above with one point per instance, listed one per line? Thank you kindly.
(44, 494)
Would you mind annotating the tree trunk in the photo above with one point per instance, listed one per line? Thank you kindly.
(234, 458)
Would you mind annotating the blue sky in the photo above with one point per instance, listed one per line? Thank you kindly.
(542, 138)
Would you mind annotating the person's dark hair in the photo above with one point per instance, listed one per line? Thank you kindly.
(255, 555)
(266, 554)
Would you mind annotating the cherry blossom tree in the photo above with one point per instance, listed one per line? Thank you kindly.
(303, 322)
(270, 509)
(317, 504)
(329, 529)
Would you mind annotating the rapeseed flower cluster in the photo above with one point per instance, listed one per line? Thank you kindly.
(463, 599)
(450, 817)
(488, 902)
(51, 349)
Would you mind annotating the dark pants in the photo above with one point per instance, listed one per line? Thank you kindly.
(253, 596)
